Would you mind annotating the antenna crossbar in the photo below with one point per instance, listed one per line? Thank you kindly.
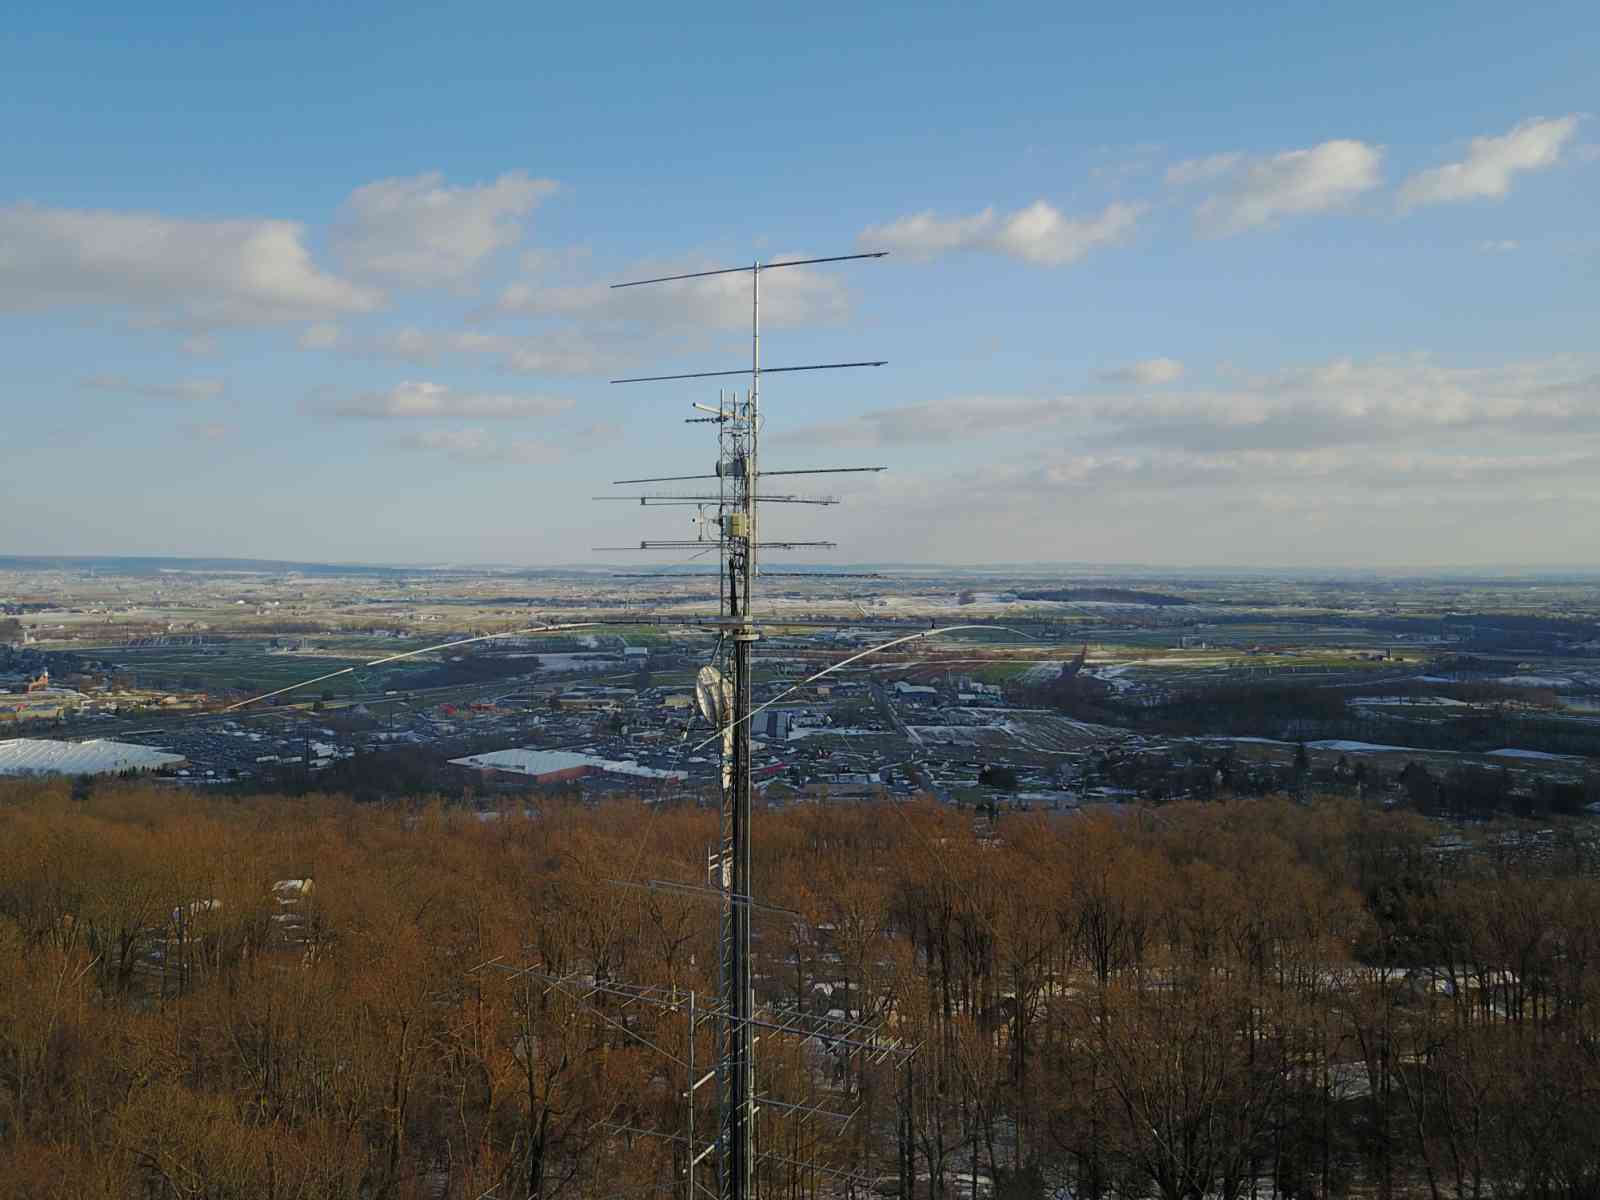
(658, 500)
(694, 544)
(771, 266)
(747, 371)
(827, 471)
(759, 474)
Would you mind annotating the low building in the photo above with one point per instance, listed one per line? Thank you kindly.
(561, 766)
(596, 699)
(43, 756)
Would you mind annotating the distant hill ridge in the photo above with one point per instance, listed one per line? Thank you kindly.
(138, 565)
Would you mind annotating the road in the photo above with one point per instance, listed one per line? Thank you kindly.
(880, 697)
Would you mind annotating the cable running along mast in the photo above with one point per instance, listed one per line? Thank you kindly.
(729, 522)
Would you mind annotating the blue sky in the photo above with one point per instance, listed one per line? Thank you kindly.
(1309, 287)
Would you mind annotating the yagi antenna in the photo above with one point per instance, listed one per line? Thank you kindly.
(727, 521)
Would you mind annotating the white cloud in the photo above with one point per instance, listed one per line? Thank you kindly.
(1418, 506)
(1362, 401)
(1339, 403)
(418, 231)
(542, 259)
(1500, 247)
(1151, 372)
(962, 419)
(551, 353)
(477, 445)
(1203, 170)
(1490, 163)
(558, 355)
(926, 235)
(1264, 190)
(184, 389)
(419, 398)
(537, 356)
(1170, 469)
(601, 433)
(412, 344)
(167, 271)
(208, 431)
(322, 336)
(789, 297)
(1040, 233)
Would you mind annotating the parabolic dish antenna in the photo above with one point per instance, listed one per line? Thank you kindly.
(714, 696)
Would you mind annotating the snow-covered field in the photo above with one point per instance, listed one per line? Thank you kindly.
(1116, 676)
(809, 731)
(1053, 733)
(577, 662)
(1346, 746)
(1536, 754)
(1408, 701)
(1040, 672)
(1041, 732)
(1369, 747)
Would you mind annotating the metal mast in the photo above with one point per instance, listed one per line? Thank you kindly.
(727, 700)
(740, 1050)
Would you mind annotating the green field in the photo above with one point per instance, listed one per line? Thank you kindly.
(995, 672)
(253, 667)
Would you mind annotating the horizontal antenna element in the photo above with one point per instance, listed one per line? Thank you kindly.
(707, 543)
(646, 501)
(793, 262)
(747, 371)
(811, 471)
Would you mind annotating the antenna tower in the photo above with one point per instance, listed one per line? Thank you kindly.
(728, 519)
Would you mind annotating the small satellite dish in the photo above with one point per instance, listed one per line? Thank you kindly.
(714, 695)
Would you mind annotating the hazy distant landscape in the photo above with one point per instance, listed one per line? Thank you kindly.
(1082, 688)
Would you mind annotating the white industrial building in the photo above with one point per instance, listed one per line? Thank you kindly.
(43, 756)
(556, 766)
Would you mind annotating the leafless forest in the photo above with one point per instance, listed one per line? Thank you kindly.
(1185, 1002)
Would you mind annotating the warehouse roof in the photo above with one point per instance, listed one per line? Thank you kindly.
(42, 756)
(542, 762)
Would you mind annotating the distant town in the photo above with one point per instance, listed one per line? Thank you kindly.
(1060, 690)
